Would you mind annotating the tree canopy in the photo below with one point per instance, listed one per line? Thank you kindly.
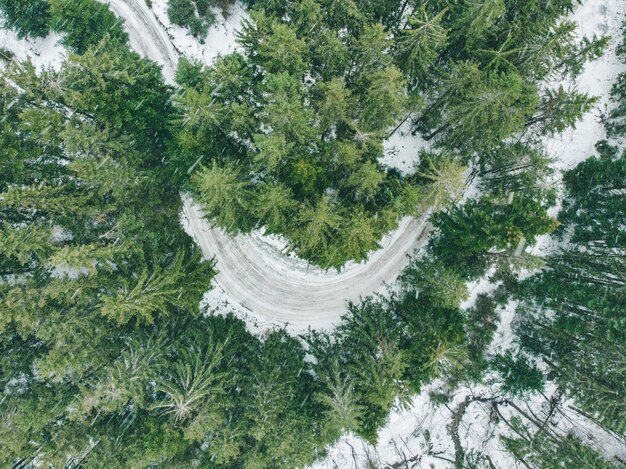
(106, 359)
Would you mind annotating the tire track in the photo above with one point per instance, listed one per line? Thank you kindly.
(252, 271)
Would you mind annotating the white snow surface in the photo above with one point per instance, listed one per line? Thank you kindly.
(42, 52)
(220, 40)
(280, 290)
(401, 150)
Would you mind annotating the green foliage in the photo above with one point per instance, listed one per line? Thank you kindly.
(497, 103)
(447, 179)
(616, 124)
(518, 374)
(320, 85)
(442, 285)
(27, 17)
(381, 354)
(482, 232)
(484, 62)
(315, 142)
(480, 325)
(543, 451)
(419, 45)
(85, 23)
(560, 109)
(573, 309)
(91, 252)
(226, 198)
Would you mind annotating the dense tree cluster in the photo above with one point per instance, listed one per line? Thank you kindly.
(288, 135)
(105, 359)
(91, 249)
(27, 17)
(82, 23)
(573, 310)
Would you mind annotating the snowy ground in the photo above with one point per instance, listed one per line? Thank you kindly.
(275, 288)
(42, 52)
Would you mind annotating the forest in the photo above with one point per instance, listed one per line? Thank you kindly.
(107, 359)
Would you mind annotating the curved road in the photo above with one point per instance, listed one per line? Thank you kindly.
(252, 270)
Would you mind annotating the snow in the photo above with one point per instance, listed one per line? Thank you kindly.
(477, 287)
(220, 40)
(276, 290)
(152, 35)
(145, 34)
(600, 17)
(401, 150)
(42, 52)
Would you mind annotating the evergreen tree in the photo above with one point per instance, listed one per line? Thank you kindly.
(578, 329)
(27, 17)
(85, 23)
(419, 45)
(518, 375)
(541, 451)
(224, 196)
(91, 252)
(484, 231)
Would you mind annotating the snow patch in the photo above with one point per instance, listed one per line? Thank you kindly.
(220, 40)
(43, 52)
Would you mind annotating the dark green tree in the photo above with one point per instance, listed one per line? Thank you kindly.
(27, 17)
(85, 23)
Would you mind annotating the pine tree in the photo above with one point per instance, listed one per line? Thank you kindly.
(275, 206)
(586, 317)
(225, 197)
(319, 226)
(447, 179)
(560, 109)
(518, 374)
(27, 17)
(441, 285)
(85, 23)
(419, 45)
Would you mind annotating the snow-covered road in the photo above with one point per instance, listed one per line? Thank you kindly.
(253, 272)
